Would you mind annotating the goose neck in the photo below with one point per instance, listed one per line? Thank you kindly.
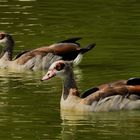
(69, 85)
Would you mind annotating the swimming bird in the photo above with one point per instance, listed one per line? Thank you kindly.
(40, 58)
(119, 95)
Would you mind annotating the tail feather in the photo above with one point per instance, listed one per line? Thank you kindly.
(71, 40)
(78, 59)
(133, 81)
(88, 48)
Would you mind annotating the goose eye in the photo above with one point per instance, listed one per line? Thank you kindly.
(60, 66)
(2, 36)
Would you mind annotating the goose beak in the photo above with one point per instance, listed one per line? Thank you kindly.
(49, 75)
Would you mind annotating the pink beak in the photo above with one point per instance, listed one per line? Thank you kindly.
(49, 75)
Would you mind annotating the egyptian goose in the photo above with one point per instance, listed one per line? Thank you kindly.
(119, 95)
(40, 58)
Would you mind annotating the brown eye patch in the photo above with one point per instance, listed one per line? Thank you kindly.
(2, 35)
(59, 66)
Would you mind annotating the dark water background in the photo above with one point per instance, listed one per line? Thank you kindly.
(29, 109)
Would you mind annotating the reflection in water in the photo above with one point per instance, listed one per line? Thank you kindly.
(17, 105)
(101, 125)
(19, 15)
(29, 109)
(75, 115)
(26, 0)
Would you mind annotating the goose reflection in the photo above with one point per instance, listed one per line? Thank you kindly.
(78, 125)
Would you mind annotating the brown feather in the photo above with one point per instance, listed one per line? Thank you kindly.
(134, 89)
(56, 49)
(29, 55)
(116, 88)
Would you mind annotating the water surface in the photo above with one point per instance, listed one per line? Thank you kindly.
(29, 109)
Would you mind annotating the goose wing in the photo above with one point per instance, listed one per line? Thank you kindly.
(67, 50)
(124, 87)
(20, 54)
(60, 49)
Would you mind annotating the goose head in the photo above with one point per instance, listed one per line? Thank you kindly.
(3, 39)
(59, 68)
(7, 43)
(6, 39)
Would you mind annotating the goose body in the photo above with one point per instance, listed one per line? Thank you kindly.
(40, 58)
(119, 95)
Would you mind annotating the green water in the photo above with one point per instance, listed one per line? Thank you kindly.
(29, 109)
